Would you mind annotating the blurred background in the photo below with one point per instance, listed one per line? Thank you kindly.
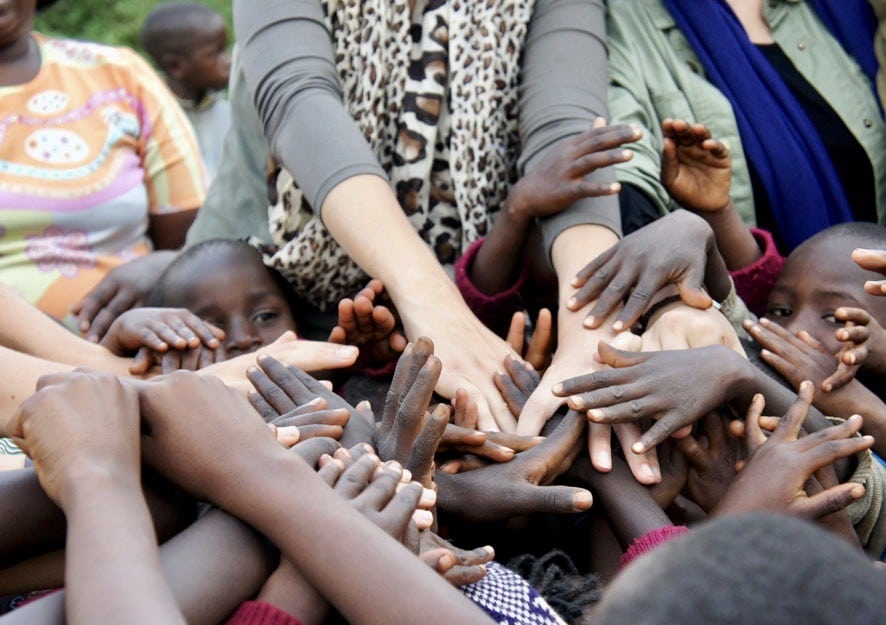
(115, 22)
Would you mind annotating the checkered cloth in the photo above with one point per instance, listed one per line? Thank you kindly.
(509, 599)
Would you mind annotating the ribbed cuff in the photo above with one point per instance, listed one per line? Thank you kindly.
(493, 310)
(754, 282)
(651, 540)
(261, 613)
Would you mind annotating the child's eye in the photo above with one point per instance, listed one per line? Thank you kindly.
(265, 317)
(778, 311)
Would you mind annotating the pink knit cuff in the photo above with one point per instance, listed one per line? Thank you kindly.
(651, 540)
(261, 613)
(490, 309)
(754, 282)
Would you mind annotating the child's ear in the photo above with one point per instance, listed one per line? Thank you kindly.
(173, 64)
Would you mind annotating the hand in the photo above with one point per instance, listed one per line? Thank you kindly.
(186, 450)
(801, 357)
(712, 462)
(540, 349)
(369, 326)
(79, 425)
(467, 566)
(517, 383)
(672, 250)
(470, 353)
(674, 473)
(674, 387)
(499, 491)
(408, 433)
(872, 260)
(778, 467)
(157, 330)
(188, 359)
(559, 179)
(310, 421)
(696, 170)
(281, 390)
(123, 288)
(681, 327)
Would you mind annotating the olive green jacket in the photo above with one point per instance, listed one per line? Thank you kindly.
(654, 74)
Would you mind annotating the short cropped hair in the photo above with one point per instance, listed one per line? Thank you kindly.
(761, 569)
(170, 27)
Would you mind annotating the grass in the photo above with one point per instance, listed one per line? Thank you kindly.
(115, 22)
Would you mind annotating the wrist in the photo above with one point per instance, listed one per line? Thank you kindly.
(516, 210)
(86, 488)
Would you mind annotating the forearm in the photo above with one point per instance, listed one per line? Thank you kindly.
(368, 561)
(19, 380)
(573, 249)
(734, 239)
(25, 329)
(112, 566)
(362, 211)
(498, 260)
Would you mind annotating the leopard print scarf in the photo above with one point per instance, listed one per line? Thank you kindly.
(450, 150)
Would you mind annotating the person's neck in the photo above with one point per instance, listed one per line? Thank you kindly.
(19, 61)
(184, 92)
(750, 14)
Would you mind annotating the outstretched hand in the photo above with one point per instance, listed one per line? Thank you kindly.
(371, 326)
(872, 260)
(674, 387)
(671, 250)
(696, 170)
(499, 491)
(559, 179)
(778, 467)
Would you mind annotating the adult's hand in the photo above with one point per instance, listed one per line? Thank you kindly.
(672, 250)
(123, 288)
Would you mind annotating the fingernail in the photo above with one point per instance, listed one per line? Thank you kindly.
(571, 302)
(557, 389)
(346, 352)
(423, 518)
(857, 491)
(595, 415)
(251, 369)
(428, 498)
(501, 373)
(589, 321)
(488, 549)
(647, 472)
(638, 448)
(618, 326)
(603, 462)
(577, 402)
(406, 476)
(582, 500)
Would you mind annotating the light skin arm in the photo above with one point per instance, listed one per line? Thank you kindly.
(361, 211)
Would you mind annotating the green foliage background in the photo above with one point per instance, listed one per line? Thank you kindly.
(114, 22)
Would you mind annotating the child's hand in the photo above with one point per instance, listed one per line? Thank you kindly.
(801, 357)
(712, 461)
(558, 181)
(674, 472)
(467, 565)
(778, 467)
(516, 383)
(872, 260)
(280, 390)
(500, 491)
(157, 330)
(671, 250)
(540, 349)
(78, 426)
(657, 385)
(696, 170)
(370, 326)
(302, 424)
(188, 359)
(409, 433)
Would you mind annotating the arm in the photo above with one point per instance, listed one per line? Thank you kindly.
(295, 84)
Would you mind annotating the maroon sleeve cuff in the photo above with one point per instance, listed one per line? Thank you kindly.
(651, 540)
(754, 282)
(261, 613)
(493, 310)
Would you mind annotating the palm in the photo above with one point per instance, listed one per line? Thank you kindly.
(698, 180)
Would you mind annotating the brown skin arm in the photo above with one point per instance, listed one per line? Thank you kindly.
(168, 230)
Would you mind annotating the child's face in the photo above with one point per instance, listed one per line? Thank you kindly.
(233, 290)
(817, 280)
(208, 65)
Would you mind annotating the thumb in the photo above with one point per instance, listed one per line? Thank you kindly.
(553, 499)
(691, 291)
(829, 501)
(618, 358)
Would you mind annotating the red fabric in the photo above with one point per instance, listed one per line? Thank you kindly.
(495, 311)
(754, 282)
(261, 613)
(651, 540)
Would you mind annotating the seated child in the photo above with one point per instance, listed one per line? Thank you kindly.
(188, 41)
